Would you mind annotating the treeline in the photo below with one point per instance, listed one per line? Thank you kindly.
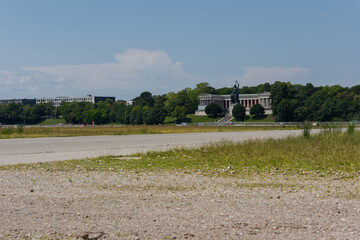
(17, 113)
(145, 109)
(295, 102)
(290, 103)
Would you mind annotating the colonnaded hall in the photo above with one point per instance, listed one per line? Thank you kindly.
(247, 100)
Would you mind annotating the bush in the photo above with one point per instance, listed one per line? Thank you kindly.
(239, 112)
(257, 110)
(213, 110)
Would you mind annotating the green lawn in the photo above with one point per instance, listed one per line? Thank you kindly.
(191, 118)
(52, 121)
(266, 118)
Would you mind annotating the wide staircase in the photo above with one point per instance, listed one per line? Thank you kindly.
(228, 117)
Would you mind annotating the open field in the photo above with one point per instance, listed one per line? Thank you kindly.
(31, 150)
(293, 188)
(192, 118)
(326, 153)
(69, 131)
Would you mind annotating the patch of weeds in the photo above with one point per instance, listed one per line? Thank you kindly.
(306, 129)
(20, 129)
(7, 131)
(350, 129)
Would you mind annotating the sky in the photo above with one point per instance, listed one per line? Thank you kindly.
(122, 48)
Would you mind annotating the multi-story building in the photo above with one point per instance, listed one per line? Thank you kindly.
(58, 100)
(247, 100)
(24, 101)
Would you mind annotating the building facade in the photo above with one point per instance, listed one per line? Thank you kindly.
(24, 101)
(58, 100)
(247, 100)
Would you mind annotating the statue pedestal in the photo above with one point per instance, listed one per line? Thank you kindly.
(231, 108)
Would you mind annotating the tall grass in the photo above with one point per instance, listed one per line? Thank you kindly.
(330, 153)
(350, 129)
(65, 131)
(307, 129)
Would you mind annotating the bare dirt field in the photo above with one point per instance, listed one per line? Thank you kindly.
(37, 204)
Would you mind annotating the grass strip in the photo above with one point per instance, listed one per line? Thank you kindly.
(64, 131)
(329, 153)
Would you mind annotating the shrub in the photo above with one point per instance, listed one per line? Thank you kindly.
(239, 112)
(213, 110)
(257, 110)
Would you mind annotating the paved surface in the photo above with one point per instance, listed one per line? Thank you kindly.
(30, 150)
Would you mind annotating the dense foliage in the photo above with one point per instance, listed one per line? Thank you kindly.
(290, 102)
(213, 110)
(239, 112)
(257, 110)
(329, 103)
(14, 113)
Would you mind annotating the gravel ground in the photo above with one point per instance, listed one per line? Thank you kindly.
(126, 205)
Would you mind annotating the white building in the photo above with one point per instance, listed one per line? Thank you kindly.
(247, 100)
(58, 100)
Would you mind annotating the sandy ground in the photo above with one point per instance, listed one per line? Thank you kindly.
(126, 205)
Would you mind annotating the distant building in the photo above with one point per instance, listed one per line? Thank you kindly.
(58, 100)
(247, 100)
(24, 101)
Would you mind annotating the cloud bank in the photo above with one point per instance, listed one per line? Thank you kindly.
(131, 73)
(134, 71)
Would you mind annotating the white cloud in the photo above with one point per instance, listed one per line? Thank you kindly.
(257, 75)
(134, 71)
(131, 73)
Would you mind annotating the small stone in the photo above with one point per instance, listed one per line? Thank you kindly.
(278, 197)
(186, 235)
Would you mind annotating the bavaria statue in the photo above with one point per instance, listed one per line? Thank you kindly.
(235, 93)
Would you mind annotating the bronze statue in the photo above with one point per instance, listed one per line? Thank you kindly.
(235, 93)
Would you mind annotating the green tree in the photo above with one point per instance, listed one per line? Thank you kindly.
(266, 87)
(279, 92)
(257, 110)
(37, 113)
(300, 114)
(145, 99)
(213, 110)
(137, 115)
(204, 87)
(97, 115)
(285, 112)
(179, 113)
(145, 112)
(224, 91)
(156, 115)
(239, 112)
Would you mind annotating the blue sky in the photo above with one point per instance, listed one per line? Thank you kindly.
(121, 48)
